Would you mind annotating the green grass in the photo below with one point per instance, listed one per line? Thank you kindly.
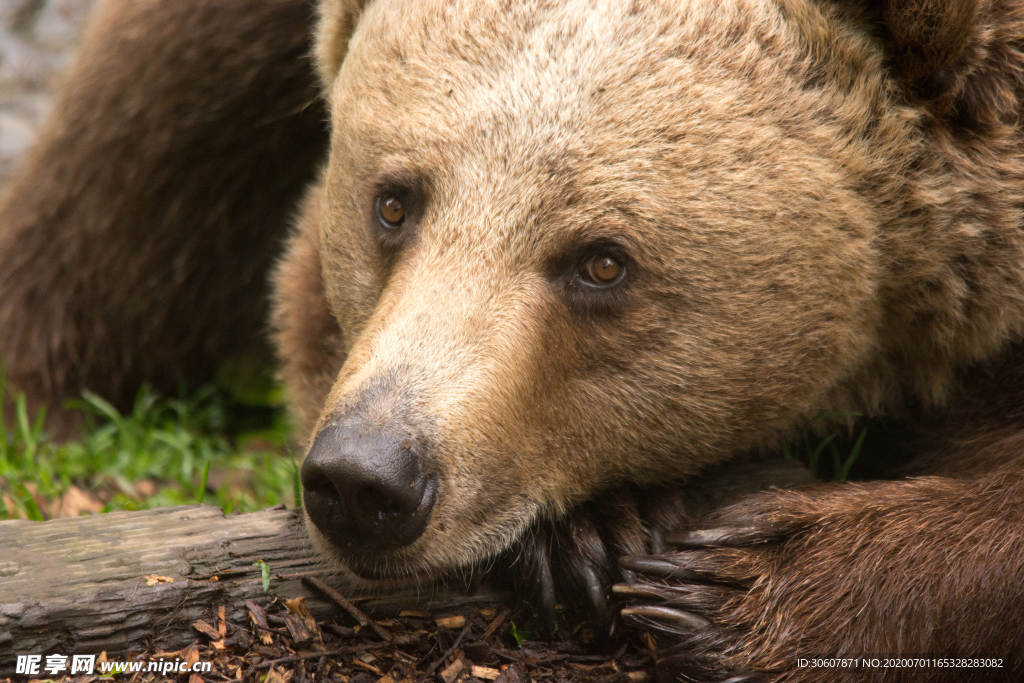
(199, 447)
(830, 456)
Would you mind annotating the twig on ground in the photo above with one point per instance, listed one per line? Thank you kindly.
(342, 602)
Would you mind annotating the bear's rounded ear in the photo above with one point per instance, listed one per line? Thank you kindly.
(335, 24)
(929, 39)
(928, 35)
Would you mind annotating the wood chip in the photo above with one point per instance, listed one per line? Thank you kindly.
(637, 676)
(451, 622)
(297, 630)
(516, 673)
(493, 626)
(452, 672)
(259, 618)
(438, 662)
(368, 667)
(207, 630)
(297, 606)
(191, 654)
(485, 672)
(415, 614)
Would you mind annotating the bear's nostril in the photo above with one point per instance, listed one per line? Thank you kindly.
(377, 503)
(322, 488)
(366, 492)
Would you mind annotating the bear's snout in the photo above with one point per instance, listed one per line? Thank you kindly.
(364, 489)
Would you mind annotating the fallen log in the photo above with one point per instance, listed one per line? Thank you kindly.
(141, 580)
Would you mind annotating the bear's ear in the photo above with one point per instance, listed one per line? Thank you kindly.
(927, 36)
(335, 25)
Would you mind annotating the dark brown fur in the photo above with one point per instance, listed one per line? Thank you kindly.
(137, 236)
(110, 272)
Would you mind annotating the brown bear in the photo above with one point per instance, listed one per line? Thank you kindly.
(562, 254)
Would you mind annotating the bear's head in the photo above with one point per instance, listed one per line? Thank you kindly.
(562, 245)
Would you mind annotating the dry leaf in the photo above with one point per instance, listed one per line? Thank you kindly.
(275, 676)
(74, 502)
(297, 606)
(154, 579)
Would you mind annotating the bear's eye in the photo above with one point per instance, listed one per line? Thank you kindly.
(603, 270)
(390, 211)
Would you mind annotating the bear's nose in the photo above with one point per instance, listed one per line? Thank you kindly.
(365, 491)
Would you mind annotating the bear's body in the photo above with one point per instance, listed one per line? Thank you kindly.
(564, 253)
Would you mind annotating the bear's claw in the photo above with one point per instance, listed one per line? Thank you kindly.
(683, 592)
(730, 537)
(697, 567)
(674, 618)
(573, 560)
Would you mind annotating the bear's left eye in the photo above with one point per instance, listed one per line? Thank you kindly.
(602, 270)
(390, 211)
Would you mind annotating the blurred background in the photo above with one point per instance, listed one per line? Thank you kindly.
(228, 444)
(37, 42)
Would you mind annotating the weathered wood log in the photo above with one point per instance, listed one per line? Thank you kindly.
(132, 580)
(138, 580)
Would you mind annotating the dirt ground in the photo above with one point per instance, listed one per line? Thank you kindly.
(284, 644)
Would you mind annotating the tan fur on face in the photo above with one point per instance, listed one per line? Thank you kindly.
(805, 236)
(337, 21)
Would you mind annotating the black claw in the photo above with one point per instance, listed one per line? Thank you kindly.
(543, 588)
(653, 566)
(594, 587)
(548, 611)
(675, 617)
(657, 541)
(634, 590)
(730, 536)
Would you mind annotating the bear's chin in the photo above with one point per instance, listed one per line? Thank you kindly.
(385, 568)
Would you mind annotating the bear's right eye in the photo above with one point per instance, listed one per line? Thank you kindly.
(390, 211)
